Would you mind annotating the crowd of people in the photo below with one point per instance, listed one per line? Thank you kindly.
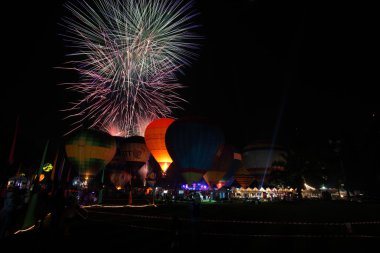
(46, 208)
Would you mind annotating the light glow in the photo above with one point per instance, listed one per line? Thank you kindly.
(308, 187)
(119, 206)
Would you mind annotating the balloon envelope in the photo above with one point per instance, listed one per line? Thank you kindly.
(220, 165)
(243, 177)
(90, 151)
(120, 178)
(118, 162)
(192, 144)
(134, 152)
(262, 158)
(155, 141)
(236, 164)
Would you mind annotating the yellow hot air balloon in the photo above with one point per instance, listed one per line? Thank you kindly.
(155, 141)
(90, 151)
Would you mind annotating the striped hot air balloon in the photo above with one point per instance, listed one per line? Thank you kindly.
(90, 151)
(243, 177)
(262, 158)
(192, 144)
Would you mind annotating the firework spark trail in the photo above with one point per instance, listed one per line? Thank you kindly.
(129, 54)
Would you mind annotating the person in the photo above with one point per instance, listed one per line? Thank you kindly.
(58, 206)
(43, 206)
(195, 209)
(195, 218)
(8, 212)
(70, 214)
(177, 229)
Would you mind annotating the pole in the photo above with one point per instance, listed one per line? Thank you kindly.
(4, 174)
(43, 158)
(52, 176)
(100, 199)
(13, 147)
(130, 188)
(31, 211)
(154, 193)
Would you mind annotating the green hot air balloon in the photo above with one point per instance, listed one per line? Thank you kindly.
(90, 152)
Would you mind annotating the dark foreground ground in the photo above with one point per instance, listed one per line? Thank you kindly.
(337, 226)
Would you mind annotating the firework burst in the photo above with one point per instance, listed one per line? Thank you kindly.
(129, 54)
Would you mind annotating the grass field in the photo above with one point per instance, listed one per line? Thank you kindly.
(225, 227)
(311, 211)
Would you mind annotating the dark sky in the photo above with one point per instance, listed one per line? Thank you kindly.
(264, 66)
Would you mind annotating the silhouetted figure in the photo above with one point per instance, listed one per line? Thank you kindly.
(8, 212)
(195, 219)
(196, 210)
(177, 231)
(43, 206)
(70, 214)
(58, 207)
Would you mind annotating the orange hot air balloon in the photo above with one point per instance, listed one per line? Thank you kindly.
(155, 141)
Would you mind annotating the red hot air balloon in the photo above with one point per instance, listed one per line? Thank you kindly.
(155, 141)
(192, 144)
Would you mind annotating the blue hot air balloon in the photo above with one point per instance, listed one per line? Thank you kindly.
(192, 144)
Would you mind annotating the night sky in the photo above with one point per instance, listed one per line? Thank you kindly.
(266, 69)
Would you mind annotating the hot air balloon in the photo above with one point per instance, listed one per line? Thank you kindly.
(120, 178)
(236, 164)
(192, 144)
(243, 177)
(221, 164)
(261, 158)
(133, 155)
(118, 162)
(155, 141)
(90, 151)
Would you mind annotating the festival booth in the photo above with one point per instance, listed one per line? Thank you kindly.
(262, 194)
